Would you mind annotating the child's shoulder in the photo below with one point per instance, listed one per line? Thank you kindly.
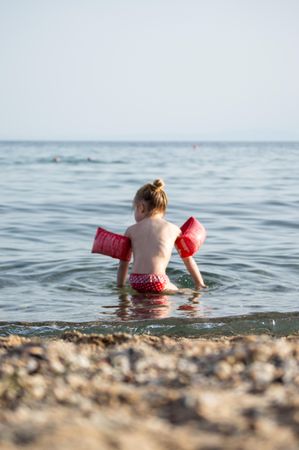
(173, 227)
(129, 230)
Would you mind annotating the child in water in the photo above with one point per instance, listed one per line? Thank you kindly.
(152, 239)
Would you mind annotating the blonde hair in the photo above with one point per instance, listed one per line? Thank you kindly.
(153, 195)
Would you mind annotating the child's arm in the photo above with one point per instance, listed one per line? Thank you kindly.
(122, 273)
(192, 268)
(123, 267)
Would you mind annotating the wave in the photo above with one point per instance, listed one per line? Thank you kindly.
(277, 324)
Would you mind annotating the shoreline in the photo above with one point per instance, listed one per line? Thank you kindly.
(138, 391)
(273, 323)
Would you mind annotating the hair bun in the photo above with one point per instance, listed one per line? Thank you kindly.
(158, 184)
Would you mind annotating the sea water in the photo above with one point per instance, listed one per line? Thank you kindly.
(54, 196)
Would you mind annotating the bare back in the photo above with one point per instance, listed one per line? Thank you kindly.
(152, 243)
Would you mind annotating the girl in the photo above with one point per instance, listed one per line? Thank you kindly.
(152, 239)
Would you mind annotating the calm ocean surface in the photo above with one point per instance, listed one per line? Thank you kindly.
(54, 195)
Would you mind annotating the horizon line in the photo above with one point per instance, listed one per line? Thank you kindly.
(158, 141)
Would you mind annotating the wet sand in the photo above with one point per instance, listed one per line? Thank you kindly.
(144, 392)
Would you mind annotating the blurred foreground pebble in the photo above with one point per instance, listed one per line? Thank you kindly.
(127, 392)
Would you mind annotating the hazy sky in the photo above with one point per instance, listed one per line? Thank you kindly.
(149, 69)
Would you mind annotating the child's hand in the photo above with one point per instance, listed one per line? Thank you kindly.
(192, 268)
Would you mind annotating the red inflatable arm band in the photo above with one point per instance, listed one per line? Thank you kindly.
(112, 244)
(192, 237)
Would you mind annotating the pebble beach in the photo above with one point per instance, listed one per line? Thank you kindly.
(122, 391)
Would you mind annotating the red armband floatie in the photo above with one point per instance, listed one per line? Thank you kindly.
(112, 244)
(192, 237)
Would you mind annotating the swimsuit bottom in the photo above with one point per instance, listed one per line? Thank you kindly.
(148, 282)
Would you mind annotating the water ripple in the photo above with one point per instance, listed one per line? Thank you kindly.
(245, 195)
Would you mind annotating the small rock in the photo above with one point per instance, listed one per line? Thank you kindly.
(223, 370)
(262, 373)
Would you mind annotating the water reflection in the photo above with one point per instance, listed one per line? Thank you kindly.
(143, 306)
(150, 306)
(157, 306)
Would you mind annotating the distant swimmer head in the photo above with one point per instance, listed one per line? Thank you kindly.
(152, 197)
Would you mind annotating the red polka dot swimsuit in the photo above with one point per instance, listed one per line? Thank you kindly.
(148, 282)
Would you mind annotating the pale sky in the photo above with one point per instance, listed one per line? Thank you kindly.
(149, 69)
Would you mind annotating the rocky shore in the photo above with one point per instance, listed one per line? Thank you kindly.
(144, 392)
